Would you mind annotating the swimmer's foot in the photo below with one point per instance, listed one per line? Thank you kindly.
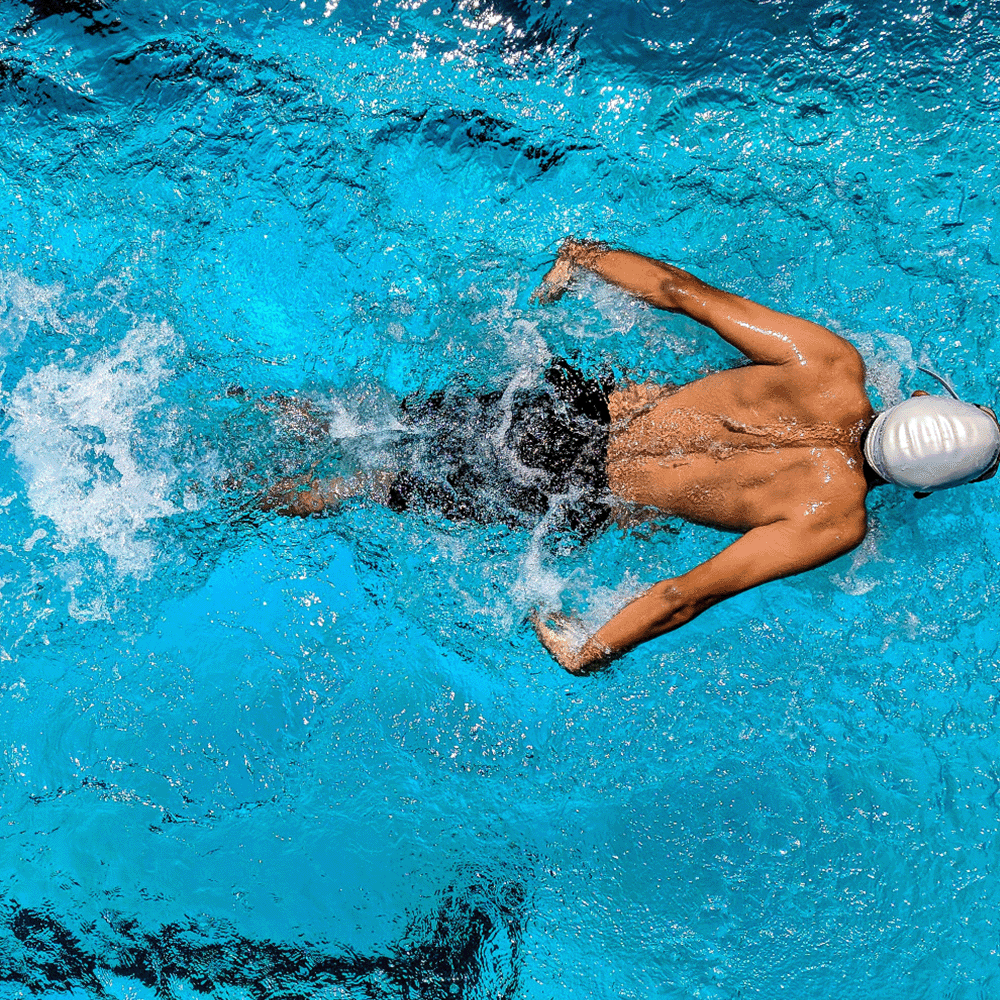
(295, 496)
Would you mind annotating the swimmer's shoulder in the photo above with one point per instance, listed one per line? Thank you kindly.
(837, 374)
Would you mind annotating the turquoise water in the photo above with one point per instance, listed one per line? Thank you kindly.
(251, 757)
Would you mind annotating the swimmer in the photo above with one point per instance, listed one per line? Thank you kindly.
(782, 451)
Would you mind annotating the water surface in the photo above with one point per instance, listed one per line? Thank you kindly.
(247, 756)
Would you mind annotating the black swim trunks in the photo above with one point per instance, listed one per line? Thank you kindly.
(520, 456)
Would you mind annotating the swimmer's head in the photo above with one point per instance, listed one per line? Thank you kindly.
(929, 443)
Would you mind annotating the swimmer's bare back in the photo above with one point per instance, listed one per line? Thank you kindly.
(771, 450)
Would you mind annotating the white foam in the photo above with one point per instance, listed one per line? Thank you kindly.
(606, 602)
(76, 434)
(523, 378)
(525, 345)
(22, 302)
(538, 585)
(35, 536)
(853, 582)
(619, 310)
(367, 413)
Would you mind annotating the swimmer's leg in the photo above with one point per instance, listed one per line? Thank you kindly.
(300, 417)
(303, 496)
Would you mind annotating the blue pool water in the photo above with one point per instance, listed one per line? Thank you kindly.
(252, 757)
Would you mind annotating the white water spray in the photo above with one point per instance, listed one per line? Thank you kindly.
(75, 431)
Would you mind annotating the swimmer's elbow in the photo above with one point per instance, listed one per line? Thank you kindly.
(842, 536)
(665, 294)
(677, 291)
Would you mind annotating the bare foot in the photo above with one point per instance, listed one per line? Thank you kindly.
(296, 496)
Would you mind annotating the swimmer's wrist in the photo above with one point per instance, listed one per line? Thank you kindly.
(576, 657)
(582, 253)
(592, 656)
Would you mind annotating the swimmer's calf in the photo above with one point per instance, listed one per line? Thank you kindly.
(304, 496)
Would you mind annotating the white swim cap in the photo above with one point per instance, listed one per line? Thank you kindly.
(930, 443)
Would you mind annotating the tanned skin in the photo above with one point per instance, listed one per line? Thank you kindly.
(771, 450)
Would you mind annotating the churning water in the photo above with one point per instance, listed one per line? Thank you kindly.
(242, 756)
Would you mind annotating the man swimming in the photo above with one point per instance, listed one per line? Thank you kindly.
(782, 451)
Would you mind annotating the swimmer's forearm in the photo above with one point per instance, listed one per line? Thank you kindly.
(661, 609)
(767, 552)
(662, 285)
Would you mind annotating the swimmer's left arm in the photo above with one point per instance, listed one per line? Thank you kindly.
(764, 335)
(765, 553)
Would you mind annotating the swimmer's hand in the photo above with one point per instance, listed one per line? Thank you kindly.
(557, 279)
(573, 254)
(560, 635)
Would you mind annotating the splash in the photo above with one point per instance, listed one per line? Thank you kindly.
(866, 556)
(91, 465)
(23, 303)
(886, 357)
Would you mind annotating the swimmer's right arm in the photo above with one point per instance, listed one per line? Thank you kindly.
(765, 553)
(763, 335)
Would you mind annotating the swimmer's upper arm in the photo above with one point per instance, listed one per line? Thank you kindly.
(769, 552)
(765, 553)
(764, 335)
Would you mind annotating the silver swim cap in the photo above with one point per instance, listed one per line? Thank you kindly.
(930, 443)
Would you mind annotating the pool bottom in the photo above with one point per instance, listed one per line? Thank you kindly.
(466, 943)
